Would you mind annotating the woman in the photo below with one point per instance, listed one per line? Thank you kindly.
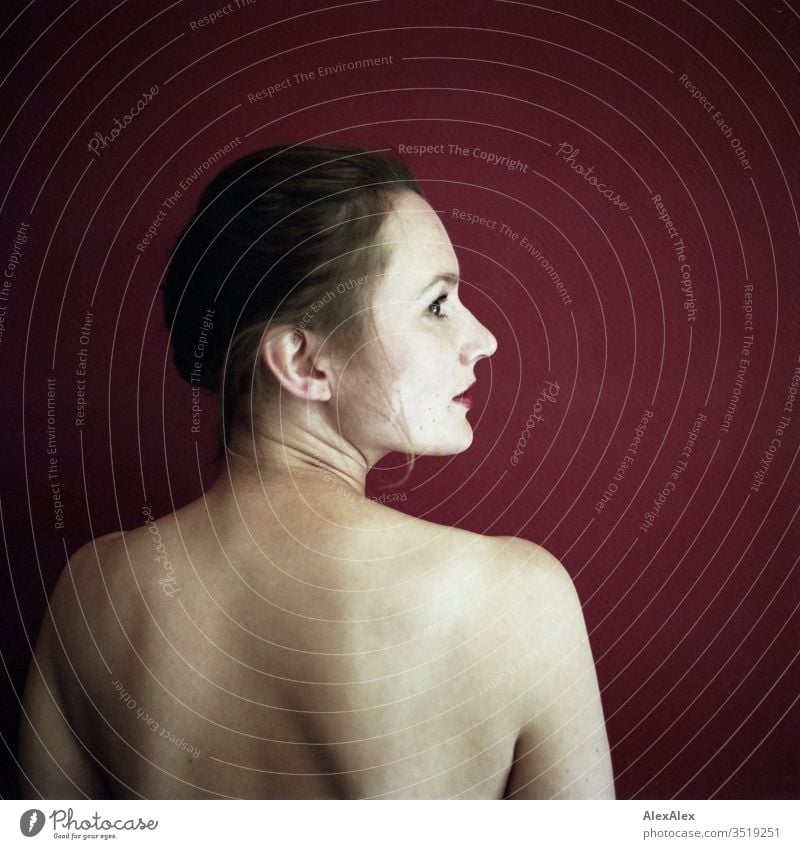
(284, 636)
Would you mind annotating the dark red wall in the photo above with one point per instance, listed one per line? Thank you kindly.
(692, 611)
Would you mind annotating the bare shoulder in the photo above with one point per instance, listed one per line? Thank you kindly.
(547, 614)
(100, 587)
(113, 559)
(63, 633)
(520, 582)
(78, 579)
(74, 617)
(562, 748)
(542, 583)
(533, 560)
(53, 762)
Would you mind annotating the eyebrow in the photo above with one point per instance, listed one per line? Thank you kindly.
(449, 278)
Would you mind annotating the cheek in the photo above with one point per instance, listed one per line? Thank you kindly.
(425, 376)
(409, 375)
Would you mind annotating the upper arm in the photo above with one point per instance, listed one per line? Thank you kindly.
(53, 762)
(562, 749)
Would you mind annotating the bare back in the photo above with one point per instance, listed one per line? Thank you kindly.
(344, 653)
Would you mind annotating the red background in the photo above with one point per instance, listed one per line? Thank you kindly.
(694, 622)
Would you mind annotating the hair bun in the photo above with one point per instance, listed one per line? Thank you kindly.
(196, 337)
(270, 233)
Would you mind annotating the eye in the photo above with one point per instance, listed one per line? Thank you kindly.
(435, 309)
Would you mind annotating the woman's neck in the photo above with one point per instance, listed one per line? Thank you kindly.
(305, 461)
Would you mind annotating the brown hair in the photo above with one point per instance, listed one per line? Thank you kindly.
(273, 234)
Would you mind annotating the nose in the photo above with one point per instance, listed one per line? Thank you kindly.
(479, 342)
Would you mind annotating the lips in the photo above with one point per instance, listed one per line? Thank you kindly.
(465, 398)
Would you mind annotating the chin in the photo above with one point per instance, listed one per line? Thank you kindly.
(453, 443)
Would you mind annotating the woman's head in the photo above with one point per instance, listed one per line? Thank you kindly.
(288, 282)
(423, 337)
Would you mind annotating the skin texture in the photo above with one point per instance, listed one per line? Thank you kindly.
(285, 637)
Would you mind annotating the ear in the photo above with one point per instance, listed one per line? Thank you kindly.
(293, 356)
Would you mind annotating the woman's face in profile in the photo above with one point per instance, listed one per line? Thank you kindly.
(399, 391)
